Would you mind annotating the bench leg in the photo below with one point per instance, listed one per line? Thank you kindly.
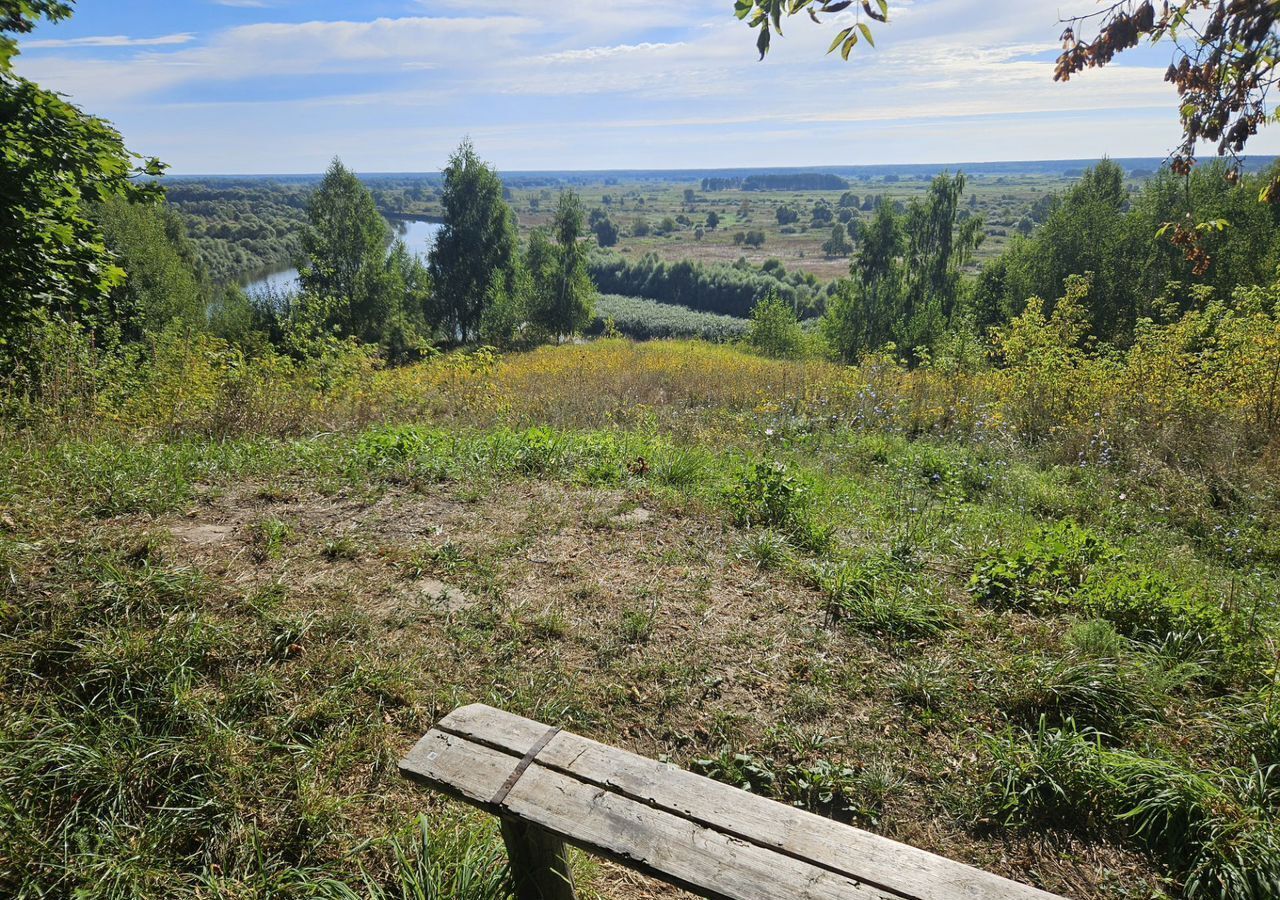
(539, 862)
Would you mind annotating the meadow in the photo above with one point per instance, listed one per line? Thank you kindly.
(1024, 617)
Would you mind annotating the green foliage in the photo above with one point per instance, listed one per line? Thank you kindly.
(769, 495)
(345, 245)
(1050, 565)
(728, 290)
(643, 320)
(476, 244)
(838, 244)
(876, 595)
(562, 292)
(162, 280)
(1069, 569)
(242, 227)
(1218, 832)
(57, 164)
(774, 329)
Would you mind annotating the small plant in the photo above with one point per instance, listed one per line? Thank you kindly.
(766, 548)
(876, 596)
(341, 548)
(269, 538)
(636, 626)
(924, 686)
(1097, 639)
(769, 495)
(1050, 565)
(1107, 694)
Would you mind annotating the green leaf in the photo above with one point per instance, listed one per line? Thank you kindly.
(762, 42)
(839, 39)
(742, 8)
(848, 46)
(866, 33)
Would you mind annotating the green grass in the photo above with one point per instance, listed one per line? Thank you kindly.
(169, 729)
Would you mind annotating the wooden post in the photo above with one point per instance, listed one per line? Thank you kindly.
(539, 862)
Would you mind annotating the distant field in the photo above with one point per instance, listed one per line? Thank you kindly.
(644, 319)
(1003, 200)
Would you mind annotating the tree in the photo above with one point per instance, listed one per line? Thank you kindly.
(753, 238)
(838, 244)
(713, 220)
(605, 231)
(786, 215)
(563, 295)
(163, 283)
(346, 249)
(478, 240)
(862, 313)
(774, 330)
(57, 163)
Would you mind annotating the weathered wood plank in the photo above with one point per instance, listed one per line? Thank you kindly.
(899, 868)
(656, 842)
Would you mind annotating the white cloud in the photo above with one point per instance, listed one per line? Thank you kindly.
(593, 53)
(563, 85)
(111, 40)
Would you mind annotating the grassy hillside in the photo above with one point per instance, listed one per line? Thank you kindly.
(1024, 618)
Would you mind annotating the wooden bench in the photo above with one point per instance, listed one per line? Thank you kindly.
(550, 786)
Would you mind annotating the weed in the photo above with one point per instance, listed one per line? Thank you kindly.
(269, 539)
(636, 625)
(341, 548)
(876, 596)
(925, 686)
(1220, 834)
(766, 548)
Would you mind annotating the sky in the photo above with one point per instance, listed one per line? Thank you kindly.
(282, 86)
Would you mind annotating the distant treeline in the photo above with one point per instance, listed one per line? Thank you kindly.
(643, 320)
(728, 290)
(798, 181)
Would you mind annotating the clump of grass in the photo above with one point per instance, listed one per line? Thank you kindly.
(466, 861)
(820, 786)
(1217, 831)
(877, 596)
(269, 539)
(767, 548)
(1097, 639)
(637, 624)
(344, 547)
(1109, 694)
(926, 686)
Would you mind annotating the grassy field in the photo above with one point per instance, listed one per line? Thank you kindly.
(232, 599)
(1002, 200)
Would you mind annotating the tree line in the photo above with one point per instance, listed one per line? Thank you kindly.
(727, 290)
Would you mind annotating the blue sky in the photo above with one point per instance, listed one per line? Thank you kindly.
(276, 86)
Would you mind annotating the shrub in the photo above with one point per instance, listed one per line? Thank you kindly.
(1050, 565)
(770, 496)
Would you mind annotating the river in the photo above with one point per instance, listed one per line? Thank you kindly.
(418, 236)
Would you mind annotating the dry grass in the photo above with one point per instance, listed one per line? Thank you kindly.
(627, 616)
